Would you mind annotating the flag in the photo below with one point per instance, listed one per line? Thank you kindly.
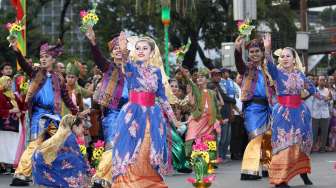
(20, 7)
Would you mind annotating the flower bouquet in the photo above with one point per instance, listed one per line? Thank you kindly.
(97, 153)
(200, 160)
(15, 30)
(89, 18)
(245, 28)
(212, 150)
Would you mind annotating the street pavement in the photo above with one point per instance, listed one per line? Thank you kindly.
(323, 176)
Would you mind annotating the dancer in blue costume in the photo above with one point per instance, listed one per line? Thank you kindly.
(257, 98)
(291, 125)
(140, 146)
(44, 96)
(112, 95)
(58, 161)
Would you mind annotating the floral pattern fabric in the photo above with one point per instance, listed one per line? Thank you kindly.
(67, 170)
(133, 117)
(290, 126)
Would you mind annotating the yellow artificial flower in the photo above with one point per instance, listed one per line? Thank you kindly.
(212, 145)
(203, 154)
(82, 149)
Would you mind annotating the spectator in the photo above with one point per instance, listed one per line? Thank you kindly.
(60, 68)
(321, 114)
(6, 69)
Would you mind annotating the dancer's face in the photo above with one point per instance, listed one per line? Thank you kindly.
(287, 59)
(46, 60)
(174, 87)
(255, 54)
(143, 51)
(116, 52)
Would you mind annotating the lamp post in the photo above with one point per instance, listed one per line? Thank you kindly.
(165, 17)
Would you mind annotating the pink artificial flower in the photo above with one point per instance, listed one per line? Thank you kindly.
(8, 26)
(92, 171)
(240, 22)
(200, 145)
(335, 166)
(99, 144)
(191, 180)
(209, 179)
(82, 13)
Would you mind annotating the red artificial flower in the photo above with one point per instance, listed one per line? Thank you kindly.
(83, 13)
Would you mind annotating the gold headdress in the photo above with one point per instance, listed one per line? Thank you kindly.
(297, 64)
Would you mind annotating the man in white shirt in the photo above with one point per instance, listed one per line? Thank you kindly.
(321, 114)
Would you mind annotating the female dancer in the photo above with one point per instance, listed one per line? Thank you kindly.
(139, 154)
(180, 107)
(58, 161)
(205, 114)
(291, 128)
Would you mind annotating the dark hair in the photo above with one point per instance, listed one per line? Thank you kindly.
(77, 121)
(2, 66)
(256, 43)
(172, 80)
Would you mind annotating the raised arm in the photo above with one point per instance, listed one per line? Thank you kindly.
(102, 62)
(240, 64)
(271, 67)
(26, 67)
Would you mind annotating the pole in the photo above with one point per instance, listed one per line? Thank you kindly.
(304, 27)
(167, 50)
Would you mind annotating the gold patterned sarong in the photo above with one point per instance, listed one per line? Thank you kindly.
(24, 168)
(141, 174)
(288, 163)
(257, 152)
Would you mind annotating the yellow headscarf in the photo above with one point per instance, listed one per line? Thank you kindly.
(156, 61)
(7, 91)
(297, 64)
(50, 147)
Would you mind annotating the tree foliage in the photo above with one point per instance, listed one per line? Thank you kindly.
(209, 21)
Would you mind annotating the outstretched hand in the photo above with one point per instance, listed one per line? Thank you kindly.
(90, 34)
(239, 42)
(13, 44)
(122, 41)
(267, 39)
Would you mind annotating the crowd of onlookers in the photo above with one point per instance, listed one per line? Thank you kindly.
(232, 138)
